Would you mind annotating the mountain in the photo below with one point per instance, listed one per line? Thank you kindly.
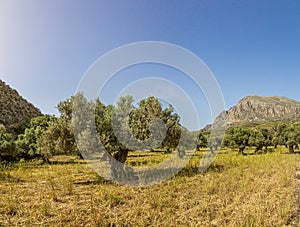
(260, 109)
(14, 109)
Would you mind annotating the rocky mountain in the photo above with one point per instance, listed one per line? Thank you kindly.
(257, 109)
(14, 109)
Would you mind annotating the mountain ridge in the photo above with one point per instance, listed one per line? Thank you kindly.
(255, 109)
(14, 109)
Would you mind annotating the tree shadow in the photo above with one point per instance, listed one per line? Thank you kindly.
(97, 181)
(194, 170)
(81, 162)
(153, 176)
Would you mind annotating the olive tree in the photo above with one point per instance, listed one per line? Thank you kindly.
(59, 136)
(237, 137)
(256, 139)
(292, 135)
(202, 141)
(28, 144)
(280, 136)
(7, 146)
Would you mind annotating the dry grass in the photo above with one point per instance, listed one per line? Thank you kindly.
(253, 190)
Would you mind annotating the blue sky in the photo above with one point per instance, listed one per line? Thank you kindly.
(252, 47)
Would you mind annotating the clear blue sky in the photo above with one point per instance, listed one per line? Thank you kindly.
(252, 47)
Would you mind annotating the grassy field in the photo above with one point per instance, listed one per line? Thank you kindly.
(237, 190)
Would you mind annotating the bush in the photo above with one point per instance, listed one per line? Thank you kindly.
(7, 145)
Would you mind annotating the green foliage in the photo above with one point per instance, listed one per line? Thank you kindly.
(7, 146)
(237, 137)
(292, 137)
(188, 141)
(256, 139)
(280, 134)
(202, 141)
(141, 117)
(279, 137)
(164, 123)
(174, 129)
(18, 128)
(28, 143)
(125, 127)
(58, 138)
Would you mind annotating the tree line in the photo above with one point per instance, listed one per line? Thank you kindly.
(262, 138)
(46, 136)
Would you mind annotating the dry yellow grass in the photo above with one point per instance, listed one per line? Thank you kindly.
(254, 190)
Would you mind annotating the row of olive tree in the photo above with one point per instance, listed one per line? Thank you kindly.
(261, 138)
(47, 135)
(146, 125)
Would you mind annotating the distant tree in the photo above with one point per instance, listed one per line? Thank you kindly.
(228, 142)
(28, 143)
(202, 141)
(292, 135)
(237, 137)
(268, 137)
(7, 146)
(279, 137)
(188, 141)
(214, 142)
(256, 139)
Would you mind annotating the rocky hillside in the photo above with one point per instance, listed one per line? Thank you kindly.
(258, 109)
(14, 108)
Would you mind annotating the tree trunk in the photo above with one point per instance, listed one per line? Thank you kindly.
(291, 149)
(45, 159)
(168, 151)
(121, 155)
(80, 156)
(258, 148)
(241, 150)
(181, 153)
(119, 171)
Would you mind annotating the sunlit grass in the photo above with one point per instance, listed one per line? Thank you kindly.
(237, 190)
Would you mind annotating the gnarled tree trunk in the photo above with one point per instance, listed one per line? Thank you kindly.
(121, 155)
(291, 149)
